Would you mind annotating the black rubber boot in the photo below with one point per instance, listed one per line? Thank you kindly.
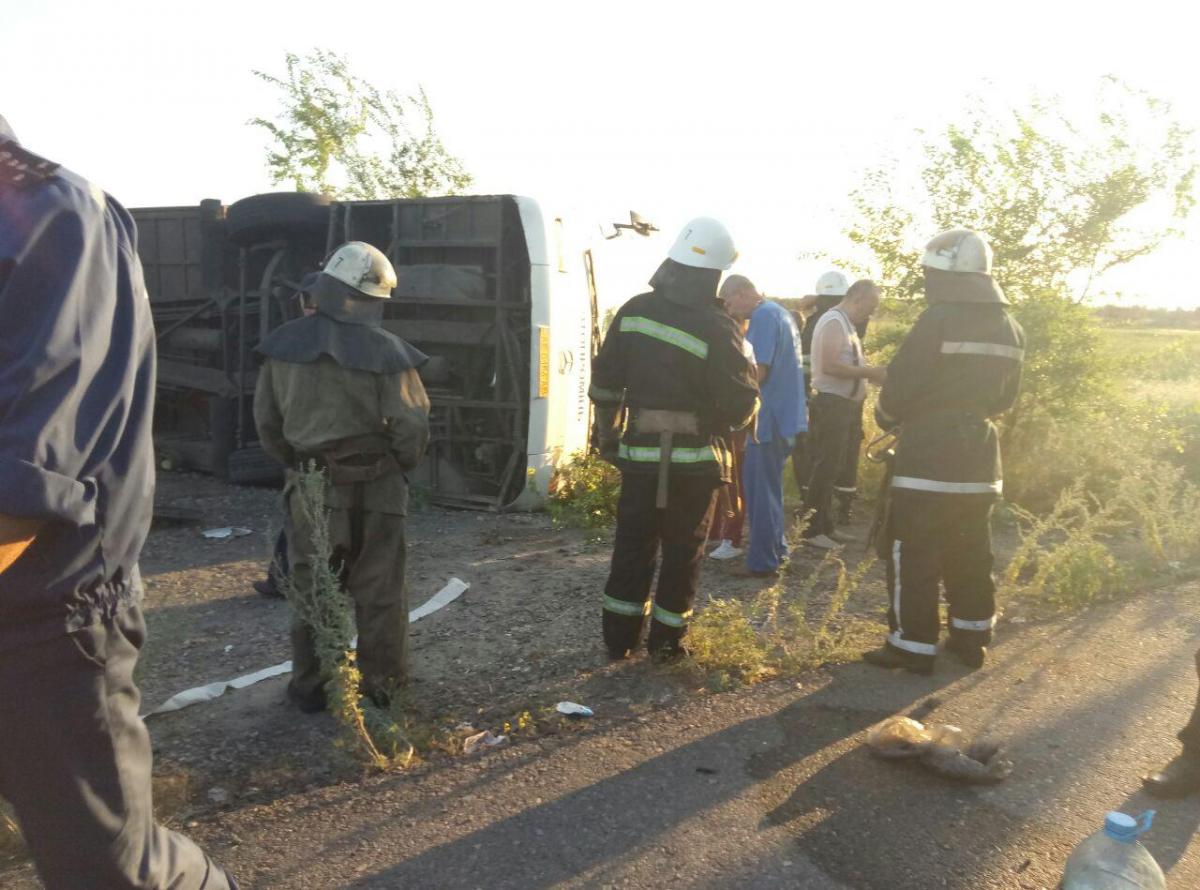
(308, 704)
(1179, 778)
(845, 505)
(970, 654)
(890, 657)
(268, 589)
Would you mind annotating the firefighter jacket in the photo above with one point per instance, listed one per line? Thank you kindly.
(674, 351)
(334, 410)
(959, 367)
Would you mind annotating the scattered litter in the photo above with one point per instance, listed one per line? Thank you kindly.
(573, 710)
(218, 795)
(481, 741)
(939, 747)
(464, 727)
(226, 532)
(229, 648)
(1016, 620)
(188, 697)
(454, 588)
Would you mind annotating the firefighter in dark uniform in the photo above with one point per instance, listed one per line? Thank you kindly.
(959, 367)
(76, 496)
(670, 383)
(339, 391)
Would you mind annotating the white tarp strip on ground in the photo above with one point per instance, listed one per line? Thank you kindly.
(453, 590)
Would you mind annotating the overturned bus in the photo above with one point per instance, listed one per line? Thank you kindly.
(487, 287)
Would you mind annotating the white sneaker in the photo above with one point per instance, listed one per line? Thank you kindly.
(726, 550)
(824, 542)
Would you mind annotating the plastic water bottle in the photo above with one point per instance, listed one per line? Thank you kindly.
(1113, 859)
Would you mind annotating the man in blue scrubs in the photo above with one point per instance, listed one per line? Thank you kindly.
(782, 414)
(76, 495)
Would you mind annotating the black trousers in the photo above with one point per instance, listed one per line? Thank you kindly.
(1190, 734)
(802, 459)
(680, 530)
(832, 420)
(278, 570)
(940, 539)
(75, 764)
(846, 486)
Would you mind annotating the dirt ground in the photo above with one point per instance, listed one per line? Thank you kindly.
(523, 637)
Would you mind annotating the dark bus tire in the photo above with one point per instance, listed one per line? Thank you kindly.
(263, 217)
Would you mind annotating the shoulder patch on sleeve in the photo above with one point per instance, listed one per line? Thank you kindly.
(21, 167)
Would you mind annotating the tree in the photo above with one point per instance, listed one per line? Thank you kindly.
(1062, 202)
(338, 134)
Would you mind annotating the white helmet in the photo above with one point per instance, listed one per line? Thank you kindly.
(362, 268)
(959, 250)
(704, 243)
(832, 284)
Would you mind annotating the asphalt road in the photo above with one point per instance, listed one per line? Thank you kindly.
(771, 787)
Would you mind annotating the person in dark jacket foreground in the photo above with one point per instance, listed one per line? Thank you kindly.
(959, 367)
(670, 383)
(76, 496)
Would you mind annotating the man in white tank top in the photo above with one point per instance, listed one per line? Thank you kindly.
(839, 376)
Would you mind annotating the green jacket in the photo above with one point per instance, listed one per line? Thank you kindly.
(309, 408)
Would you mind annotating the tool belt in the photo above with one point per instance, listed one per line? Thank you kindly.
(666, 424)
(355, 459)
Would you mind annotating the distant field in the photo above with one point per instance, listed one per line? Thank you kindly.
(1158, 363)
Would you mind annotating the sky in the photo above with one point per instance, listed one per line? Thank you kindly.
(764, 115)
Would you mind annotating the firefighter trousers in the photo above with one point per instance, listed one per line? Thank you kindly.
(642, 529)
(369, 547)
(940, 540)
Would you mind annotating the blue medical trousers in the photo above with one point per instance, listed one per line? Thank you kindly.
(762, 480)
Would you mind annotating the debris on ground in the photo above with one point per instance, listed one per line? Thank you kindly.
(939, 747)
(571, 709)
(226, 532)
(482, 741)
(218, 796)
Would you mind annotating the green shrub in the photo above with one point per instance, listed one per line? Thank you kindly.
(584, 492)
(723, 639)
(780, 630)
(1086, 548)
(373, 733)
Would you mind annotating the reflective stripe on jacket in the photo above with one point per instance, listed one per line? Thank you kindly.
(959, 367)
(661, 355)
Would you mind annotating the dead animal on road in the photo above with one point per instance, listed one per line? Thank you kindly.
(939, 747)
